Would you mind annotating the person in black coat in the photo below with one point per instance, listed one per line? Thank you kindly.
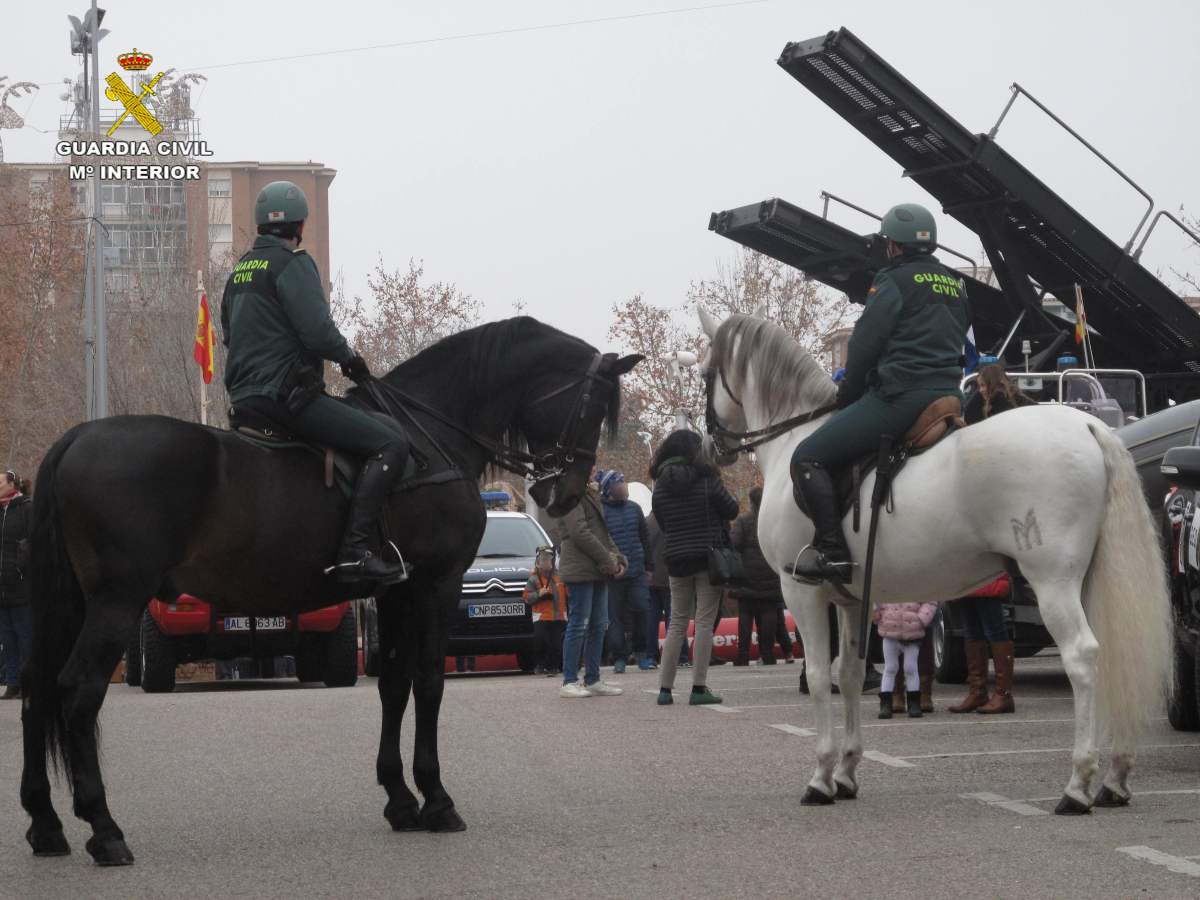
(760, 597)
(16, 627)
(692, 507)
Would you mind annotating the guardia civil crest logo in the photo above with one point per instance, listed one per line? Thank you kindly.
(132, 95)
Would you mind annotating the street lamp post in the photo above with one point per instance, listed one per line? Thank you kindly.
(85, 39)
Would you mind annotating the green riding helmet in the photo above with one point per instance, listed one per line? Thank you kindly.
(910, 225)
(280, 201)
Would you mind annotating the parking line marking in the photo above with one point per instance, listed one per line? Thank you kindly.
(1017, 806)
(1031, 750)
(1137, 793)
(1176, 864)
(717, 707)
(794, 729)
(895, 762)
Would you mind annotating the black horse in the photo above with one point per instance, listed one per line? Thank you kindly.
(136, 507)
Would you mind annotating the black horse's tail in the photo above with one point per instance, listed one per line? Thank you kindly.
(58, 607)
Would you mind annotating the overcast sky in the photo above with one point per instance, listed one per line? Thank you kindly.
(572, 167)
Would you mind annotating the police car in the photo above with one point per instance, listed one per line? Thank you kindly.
(492, 617)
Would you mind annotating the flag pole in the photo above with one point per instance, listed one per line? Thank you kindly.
(203, 386)
(1081, 324)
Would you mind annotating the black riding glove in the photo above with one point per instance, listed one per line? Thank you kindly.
(356, 369)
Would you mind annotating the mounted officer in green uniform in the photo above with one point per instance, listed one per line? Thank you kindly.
(278, 330)
(905, 352)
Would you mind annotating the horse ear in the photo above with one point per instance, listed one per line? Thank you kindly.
(707, 322)
(623, 365)
(760, 311)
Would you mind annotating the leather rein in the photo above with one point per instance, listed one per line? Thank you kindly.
(538, 467)
(746, 441)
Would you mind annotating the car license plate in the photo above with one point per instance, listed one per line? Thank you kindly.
(261, 623)
(488, 610)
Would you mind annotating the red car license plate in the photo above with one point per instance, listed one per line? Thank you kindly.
(261, 623)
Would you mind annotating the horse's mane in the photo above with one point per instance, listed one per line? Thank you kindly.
(482, 357)
(785, 373)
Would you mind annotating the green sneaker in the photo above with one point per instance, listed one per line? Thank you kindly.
(703, 698)
(664, 697)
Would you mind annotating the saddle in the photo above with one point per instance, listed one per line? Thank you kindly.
(427, 462)
(937, 421)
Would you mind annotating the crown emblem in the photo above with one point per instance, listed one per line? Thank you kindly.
(135, 60)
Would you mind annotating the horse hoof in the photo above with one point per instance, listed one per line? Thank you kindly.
(110, 853)
(442, 820)
(845, 792)
(50, 843)
(1069, 806)
(1109, 798)
(404, 818)
(814, 797)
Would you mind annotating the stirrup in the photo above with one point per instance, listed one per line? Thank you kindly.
(354, 569)
(836, 573)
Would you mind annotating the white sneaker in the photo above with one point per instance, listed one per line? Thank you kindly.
(604, 689)
(573, 691)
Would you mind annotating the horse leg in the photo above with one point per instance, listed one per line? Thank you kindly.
(45, 834)
(850, 679)
(1062, 611)
(438, 813)
(812, 617)
(1115, 789)
(395, 684)
(84, 682)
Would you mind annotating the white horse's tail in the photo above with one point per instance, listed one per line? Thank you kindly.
(1127, 603)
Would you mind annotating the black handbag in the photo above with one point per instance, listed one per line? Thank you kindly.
(724, 563)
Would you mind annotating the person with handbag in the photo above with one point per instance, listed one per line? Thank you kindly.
(692, 507)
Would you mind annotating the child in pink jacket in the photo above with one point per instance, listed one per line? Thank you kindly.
(902, 627)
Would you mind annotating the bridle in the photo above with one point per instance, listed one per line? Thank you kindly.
(537, 467)
(746, 441)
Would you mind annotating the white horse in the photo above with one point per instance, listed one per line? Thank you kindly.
(1047, 487)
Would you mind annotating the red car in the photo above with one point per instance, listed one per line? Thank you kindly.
(324, 641)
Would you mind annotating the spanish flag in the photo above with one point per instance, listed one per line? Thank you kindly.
(202, 350)
(1080, 318)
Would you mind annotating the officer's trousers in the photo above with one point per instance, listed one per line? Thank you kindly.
(854, 433)
(332, 423)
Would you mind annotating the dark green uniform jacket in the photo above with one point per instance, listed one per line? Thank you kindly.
(905, 352)
(911, 334)
(275, 319)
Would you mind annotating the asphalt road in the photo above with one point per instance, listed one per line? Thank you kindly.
(266, 789)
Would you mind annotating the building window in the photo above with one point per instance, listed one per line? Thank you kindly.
(217, 233)
(220, 187)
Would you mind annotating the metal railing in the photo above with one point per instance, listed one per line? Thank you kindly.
(1017, 90)
(1162, 213)
(826, 197)
(1091, 375)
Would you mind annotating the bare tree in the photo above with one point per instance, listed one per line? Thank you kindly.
(809, 312)
(402, 316)
(41, 340)
(805, 308)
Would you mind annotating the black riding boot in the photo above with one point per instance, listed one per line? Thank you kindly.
(828, 557)
(355, 561)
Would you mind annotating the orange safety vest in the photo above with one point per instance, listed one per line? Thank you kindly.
(549, 609)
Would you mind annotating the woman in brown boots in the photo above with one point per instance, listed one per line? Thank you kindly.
(983, 622)
(983, 611)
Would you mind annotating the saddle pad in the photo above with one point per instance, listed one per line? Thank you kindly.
(425, 464)
(848, 480)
